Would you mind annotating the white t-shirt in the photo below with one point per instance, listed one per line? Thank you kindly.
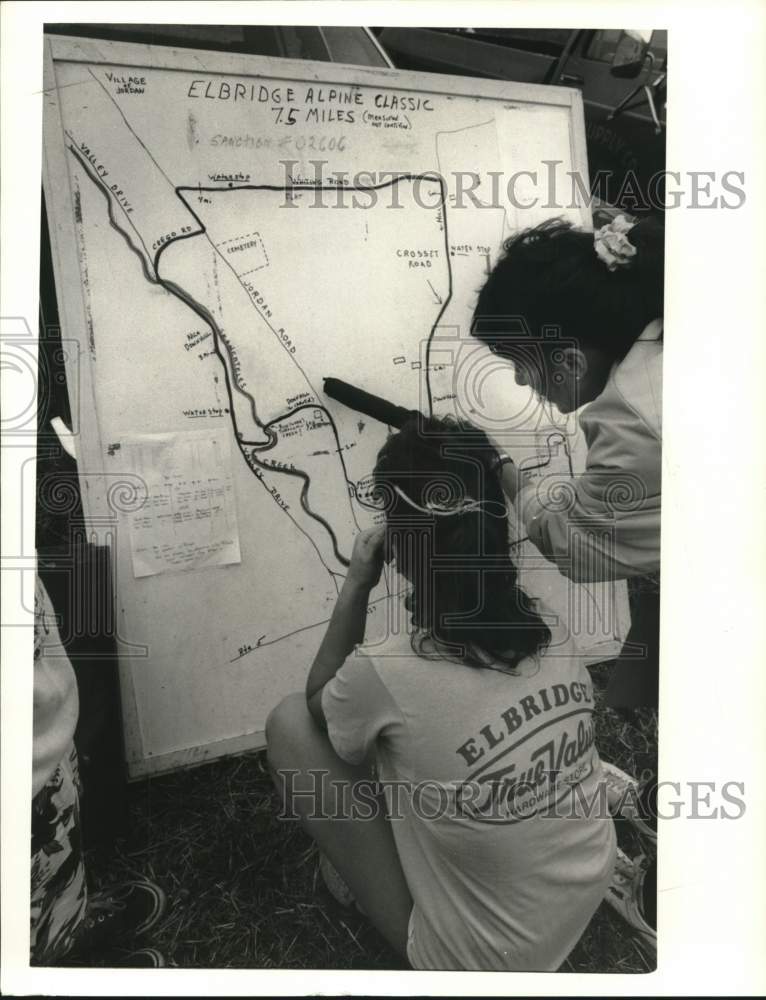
(611, 528)
(496, 883)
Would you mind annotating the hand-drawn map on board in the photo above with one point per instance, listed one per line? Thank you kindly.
(243, 228)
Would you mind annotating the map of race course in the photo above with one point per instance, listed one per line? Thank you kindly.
(250, 450)
(244, 299)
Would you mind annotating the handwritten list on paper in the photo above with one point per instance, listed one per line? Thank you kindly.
(188, 517)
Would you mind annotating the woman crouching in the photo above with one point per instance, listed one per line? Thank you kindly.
(448, 773)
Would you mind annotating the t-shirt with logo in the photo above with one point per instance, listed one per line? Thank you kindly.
(495, 795)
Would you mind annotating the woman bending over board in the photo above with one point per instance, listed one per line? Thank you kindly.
(449, 772)
(579, 316)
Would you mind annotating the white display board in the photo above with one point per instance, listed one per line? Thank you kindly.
(228, 230)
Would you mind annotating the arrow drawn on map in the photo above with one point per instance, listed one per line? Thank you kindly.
(437, 297)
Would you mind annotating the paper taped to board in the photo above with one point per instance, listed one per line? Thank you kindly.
(188, 518)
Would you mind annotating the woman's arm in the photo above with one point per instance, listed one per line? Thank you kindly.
(603, 524)
(510, 478)
(347, 625)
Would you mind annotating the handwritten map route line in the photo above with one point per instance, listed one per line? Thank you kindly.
(218, 337)
(427, 176)
(305, 628)
(208, 319)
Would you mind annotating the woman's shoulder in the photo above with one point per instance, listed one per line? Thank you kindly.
(636, 382)
(626, 418)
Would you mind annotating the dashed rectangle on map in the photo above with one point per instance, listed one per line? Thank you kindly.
(246, 254)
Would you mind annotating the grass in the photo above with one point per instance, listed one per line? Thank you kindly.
(243, 886)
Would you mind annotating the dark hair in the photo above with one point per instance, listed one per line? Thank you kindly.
(551, 276)
(464, 583)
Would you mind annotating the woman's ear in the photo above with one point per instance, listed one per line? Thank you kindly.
(575, 362)
(577, 376)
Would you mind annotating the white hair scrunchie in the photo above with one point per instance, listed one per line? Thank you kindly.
(612, 245)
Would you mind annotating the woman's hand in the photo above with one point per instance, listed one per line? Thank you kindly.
(349, 618)
(367, 557)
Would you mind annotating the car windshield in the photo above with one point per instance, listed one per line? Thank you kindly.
(344, 44)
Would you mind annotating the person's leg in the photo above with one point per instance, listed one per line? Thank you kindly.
(649, 809)
(317, 787)
(649, 897)
(634, 679)
(68, 923)
(58, 889)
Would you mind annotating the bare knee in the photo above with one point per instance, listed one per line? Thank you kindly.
(287, 728)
